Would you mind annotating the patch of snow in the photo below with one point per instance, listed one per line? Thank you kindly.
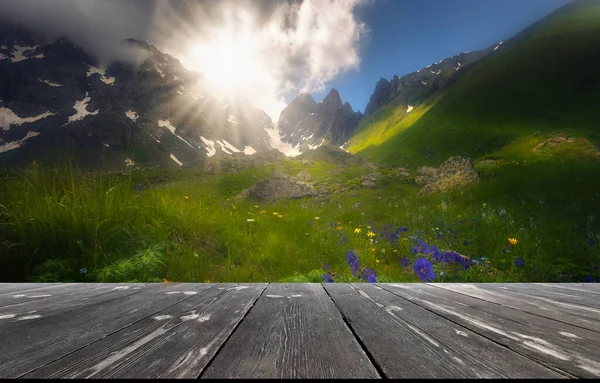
(230, 147)
(423, 82)
(249, 150)
(497, 46)
(223, 147)
(133, 116)
(3, 47)
(102, 72)
(179, 92)
(176, 160)
(210, 149)
(409, 109)
(80, 107)
(167, 124)
(458, 67)
(52, 84)
(175, 78)
(16, 144)
(19, 50)
(8, 118)
(105, 144)
(231, 119)
(162, 74)
(276, 143)
(429, 66)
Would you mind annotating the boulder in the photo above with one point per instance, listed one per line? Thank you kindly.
(402, 172)
(425, 174)
(456, 172)
(279, 186)
(371, 180)
(303, 176)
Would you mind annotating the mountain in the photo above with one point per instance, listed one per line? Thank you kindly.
(533, 89)
(56, 100)
(306, 124)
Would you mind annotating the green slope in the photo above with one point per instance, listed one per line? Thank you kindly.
(542, 81)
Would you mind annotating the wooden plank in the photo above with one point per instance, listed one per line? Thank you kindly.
(293, 331)
(578, 298)
(177, 342)
(14, 297)
(571, 349)
(72, 300)
(590, 288)
(408, 341)
(577, 315)
(9, 287)
(30, 344)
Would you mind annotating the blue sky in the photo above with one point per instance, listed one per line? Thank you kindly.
(407, 35)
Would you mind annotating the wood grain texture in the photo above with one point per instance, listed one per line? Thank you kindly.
(74, 299)
(293, 331)
(590, 288)
(408, 341)
(571, 349)
(177, 342)
(581, 316)
(9, 287)
(29, 343)
(570, 297)
(41, 293)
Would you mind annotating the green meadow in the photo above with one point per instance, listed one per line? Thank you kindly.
(182, 225)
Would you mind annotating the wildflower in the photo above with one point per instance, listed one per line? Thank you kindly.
(351, 258)
(424, 270)
(373, 249)
(484, 204)
(377, 261)
(519, 262)
(405, 262)
(250, 220)
(345, 239)
(326, 267)
(370, 234)
(357, 230)
(275, 213)
(328, 278)
(207, 281)
(279, 215)
(513, 241)
(339, 228)
(263, 211)
(83, 271)
(592, 241)
(395, 250)
(139, 188)
(187, 197)
(166, 281)
(588, 279)
(316, 217)
(370, 276)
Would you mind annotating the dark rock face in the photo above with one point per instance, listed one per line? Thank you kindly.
(454, 173)
(413, 88)
(307, 123)
(57, 102)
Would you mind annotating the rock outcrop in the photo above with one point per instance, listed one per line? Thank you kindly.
(454, 173)
(279, 186)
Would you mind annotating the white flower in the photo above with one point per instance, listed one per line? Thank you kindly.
(250, 220)
(316, 217)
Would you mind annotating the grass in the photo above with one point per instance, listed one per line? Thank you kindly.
(71, 226)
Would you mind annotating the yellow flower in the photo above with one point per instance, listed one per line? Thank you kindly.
(166, 281)
(373, 249)
(187, 197)
(275, 213)
(207, 281)
(339, 228)
(279, 215)
(370, 234)
(377, 261)
(395, 250)
(263, 211)
(513, 241)
(484, 204)
(357, 230)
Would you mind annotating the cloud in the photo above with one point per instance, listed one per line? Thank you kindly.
(267, 50)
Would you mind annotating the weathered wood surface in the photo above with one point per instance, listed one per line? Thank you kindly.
(293, 331)
(191, 330)
(409, 341)
(578, 315)
(570, 349)
(29, 344)
(299, 330)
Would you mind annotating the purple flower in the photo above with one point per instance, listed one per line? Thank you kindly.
(139, 187)
(588, 279)
(519, 262)
(328, 278)
(369, 275)
(592, 241)
(403, 229)
(405, 262)
(326, 267)
(345, 239)
(351, 258)
(424, 270)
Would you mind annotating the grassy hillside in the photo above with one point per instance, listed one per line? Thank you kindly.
(540, 82)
